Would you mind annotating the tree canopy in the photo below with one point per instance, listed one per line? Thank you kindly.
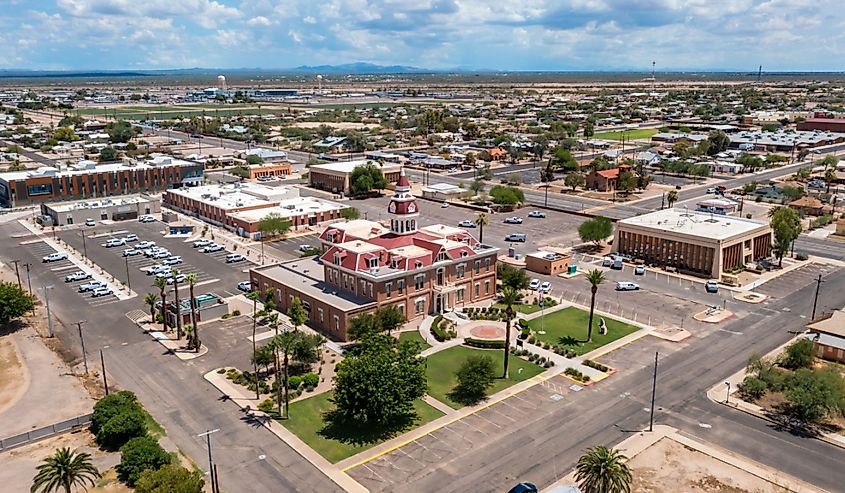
(786, 226)
(14, 302)
(505, 195)
(475, 376)
(139, 455)
(385, 319)
(378, 385)
(120, 131)
(273, 224)
(108, 154)
(366, 178)
(595, 230)
(169, 479)
(350, 213)
(511, 276)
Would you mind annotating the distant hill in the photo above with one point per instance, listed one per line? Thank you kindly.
(362, 68)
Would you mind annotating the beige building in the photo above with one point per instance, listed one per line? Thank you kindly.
(549, 263)
(334, 177)
(696, 243)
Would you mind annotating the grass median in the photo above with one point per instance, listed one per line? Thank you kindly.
(568, 328)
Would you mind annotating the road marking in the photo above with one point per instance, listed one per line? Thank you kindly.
(66, 267)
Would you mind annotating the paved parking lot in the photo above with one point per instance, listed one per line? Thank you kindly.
(211, 268)
(62, 268)
(794, 280)
(556, 229)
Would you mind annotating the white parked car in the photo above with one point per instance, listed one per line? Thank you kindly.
(178, 278)
(513, 220)
(77, 276)
(466, 223)
(172, 260)
(90, 222)
(131, 237)
(101, 291)
(54, 257)
(146, 218)
(627, 286)
(161, 254)
(146, 244)
(113, 242)
(234, 257)
(91, 286)
(536, 214)
(546, 287)
(534, 284)
(129, 252)
(214, 247)
(245, 286)
(201, 243)
(305, 247)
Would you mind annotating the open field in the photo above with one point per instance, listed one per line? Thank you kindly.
(568, 327)
(442, 366)
(307, 423)
(636, 134)
(164, 112)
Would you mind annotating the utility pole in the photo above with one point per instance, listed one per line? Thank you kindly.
(29, 285)
(254, 295)
(103, 369)
(653, 393)
(49, 314)
(816, 298)
(211, 469)
(84, 248)
(128, 282)
(17, 274)
(82, 340)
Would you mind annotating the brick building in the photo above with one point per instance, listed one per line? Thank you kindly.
(334, 177)
(606, 180)
(87, 180)
(366, 265)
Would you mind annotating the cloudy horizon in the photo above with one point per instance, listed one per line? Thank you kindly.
(526, 35)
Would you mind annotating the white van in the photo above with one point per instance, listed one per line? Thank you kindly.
(627, 286)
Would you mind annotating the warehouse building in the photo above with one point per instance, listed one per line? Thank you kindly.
(696, 243)
(334, 177)
(115, 209)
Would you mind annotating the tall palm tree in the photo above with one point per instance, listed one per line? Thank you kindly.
(191, 279)
(63, 471)
(175, 274)
(150, 300)
(299, 346)
(273, 322)
(254, 295)
(603, 470)
(510, 297)
(161, 284)
(829, 177)
(672, 197)
(482, 219)
(594, 277)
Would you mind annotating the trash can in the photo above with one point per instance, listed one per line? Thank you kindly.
(572, 269)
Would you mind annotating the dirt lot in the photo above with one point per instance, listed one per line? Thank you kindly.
(670, 467)
(17, 467)
(14, 379)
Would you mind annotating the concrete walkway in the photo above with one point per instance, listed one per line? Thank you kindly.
(239, 396)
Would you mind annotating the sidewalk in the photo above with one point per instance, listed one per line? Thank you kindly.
(638, 443)
(248, 404)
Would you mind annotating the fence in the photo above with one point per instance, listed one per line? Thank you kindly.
(59, 428)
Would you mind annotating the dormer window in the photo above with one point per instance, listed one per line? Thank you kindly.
(330, 237)
(442, 256)
(464, 253)
(394, 263)
(372, 263)
(337, 258)
(418, 264)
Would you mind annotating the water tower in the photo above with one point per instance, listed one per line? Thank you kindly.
(221, 82)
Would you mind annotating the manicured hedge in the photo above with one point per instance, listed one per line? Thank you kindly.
(485, 343)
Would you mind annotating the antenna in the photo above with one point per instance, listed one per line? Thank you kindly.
(759, 74)
(652, 76)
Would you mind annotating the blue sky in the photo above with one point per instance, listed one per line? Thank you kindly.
(490, 34)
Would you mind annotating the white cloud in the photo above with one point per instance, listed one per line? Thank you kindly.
(259, 21)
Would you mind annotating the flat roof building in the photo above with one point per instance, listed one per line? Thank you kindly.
(87, 180)
(334, 177)
(696, 243)
(114, 208)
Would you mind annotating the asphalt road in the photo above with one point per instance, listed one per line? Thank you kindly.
(542, 447)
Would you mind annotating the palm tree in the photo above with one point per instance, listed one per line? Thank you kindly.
(510, 297)
(253, 295)
(63, 470)
(191, 279)
(603, 470)
(594, 277)
(150, 300)
(672, 197)
(481, 220)
(273, 322)
(829, 177)
(175, 274)
(299, 346)
(161, 284)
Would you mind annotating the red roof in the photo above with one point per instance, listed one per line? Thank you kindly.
(609, 173)
(403, 181)
(825, 120)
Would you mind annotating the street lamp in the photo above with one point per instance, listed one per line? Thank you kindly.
(207, 436)
(728, 393)
(47, 302)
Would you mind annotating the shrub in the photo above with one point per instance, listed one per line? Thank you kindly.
(475, 376)
(170, 478)
(138, 455)
(110, 406)
(801, 256)
(548, 364)
(266, 405)
(531, 339)
(799, 354)
(226, 315)
(311, 380)
(118, 430)
(236, 313)
(221, 371)
(814, 395)
(294, 382)
(532, 357)
(752, 388)
(484, 343)
(598, 366)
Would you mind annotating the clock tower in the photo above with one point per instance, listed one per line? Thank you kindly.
(403, 208)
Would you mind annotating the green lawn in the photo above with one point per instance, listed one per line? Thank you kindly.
(414, 336)
(307, 423)
(525, 308)
(568, 327)
(636, 134)
(442, 366)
